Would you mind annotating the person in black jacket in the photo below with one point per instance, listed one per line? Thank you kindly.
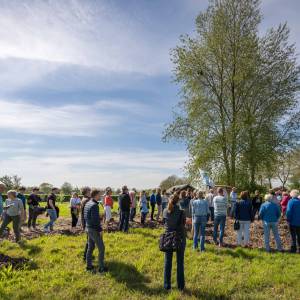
(86, 192)
(174, 220)
(256, 203)
(33, 204)
(94, 231)
(124, 203)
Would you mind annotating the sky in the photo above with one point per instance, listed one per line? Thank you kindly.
(86, 87)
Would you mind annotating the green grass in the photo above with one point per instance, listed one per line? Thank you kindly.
(136, 271)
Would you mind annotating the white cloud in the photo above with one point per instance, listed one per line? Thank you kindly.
(88, 33)
(141, 169)
(64, 120)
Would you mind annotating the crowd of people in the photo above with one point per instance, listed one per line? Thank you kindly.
(173, 210)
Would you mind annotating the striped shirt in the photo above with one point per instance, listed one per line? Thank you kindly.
(220, 206)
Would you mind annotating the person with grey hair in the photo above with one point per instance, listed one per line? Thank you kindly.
(14, 209)
(270, 213)
(2, 189)
(293, 218)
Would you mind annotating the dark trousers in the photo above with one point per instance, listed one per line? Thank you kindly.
(212, 213)
(95, 239)
(295, 234)
(16, 225)
(124, 221)
(255, 211)
(180, 269)
(32, 217)
(152, 211)
(74, 216)
(86, 247)
(143, 217)
(132, 213)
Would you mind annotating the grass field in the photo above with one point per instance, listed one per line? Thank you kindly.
(57, 271)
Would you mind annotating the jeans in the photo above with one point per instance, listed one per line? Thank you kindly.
(219, 220)
(32, 217)
(232, 209)
(124, 221)
(143, 217)
(164, 205)
(212, 213)
(53, 217)
(199, 227)
(74, 215)
(152, 211)
(180, 269)
(295, 234)
(95, 239)
(159, 211)
(132, 213)
(243, 234)
(16, 225)
(268, 226)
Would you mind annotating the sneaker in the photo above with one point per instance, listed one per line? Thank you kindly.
(91, 270)
(46, 230)
(103, 270)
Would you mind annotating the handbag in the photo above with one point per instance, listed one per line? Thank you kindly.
(236, 225)
(172, 240)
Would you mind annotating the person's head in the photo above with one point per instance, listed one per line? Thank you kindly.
(211, 191)
(257, 193)
(220, 191)
(182, 194)
(200, 195)
(172, 202)
(108, 191)
(194, 194)
(86, 192)
(35, 190)
(55, 190)
(234, 189)
(75, 195)
(244, 195)
(12, 194)
(22, 189)
(153, 191)
(2, 187)
(96, 194)
(272, 192)
(164, 192)
(124, 189)
(158, 191)
(142, 193)
(268, 197)
(294, 193)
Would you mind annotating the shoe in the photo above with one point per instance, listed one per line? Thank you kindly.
(91, 270)
(103, 270)
(46, 230)
(221, 245)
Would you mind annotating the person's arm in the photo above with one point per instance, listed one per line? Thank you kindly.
(289, 211)
(95, 218)
(261, 212)
(29, 201)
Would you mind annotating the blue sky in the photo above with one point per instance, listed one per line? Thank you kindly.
(86, 87)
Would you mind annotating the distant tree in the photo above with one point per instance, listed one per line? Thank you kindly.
(45, 187)
(171, 181)
(11, 182)
(66, 188)
(77, 190)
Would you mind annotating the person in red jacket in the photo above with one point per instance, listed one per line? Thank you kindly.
(284, 202)
(108, 204)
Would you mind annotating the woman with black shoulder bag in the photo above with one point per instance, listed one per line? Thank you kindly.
(173, 240)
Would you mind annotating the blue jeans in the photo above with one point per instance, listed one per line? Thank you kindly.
(180, 269)
(53, 217)
(124, 221)
(268, 226)
(199, 227)
(212, 213)
(95, 239)
(164, 205)
(219, 220)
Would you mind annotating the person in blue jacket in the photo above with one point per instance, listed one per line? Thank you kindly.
(293, 218)
(152, 203)
(270, 213)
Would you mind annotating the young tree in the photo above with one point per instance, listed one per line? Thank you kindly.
(45, 188)
(66, 188)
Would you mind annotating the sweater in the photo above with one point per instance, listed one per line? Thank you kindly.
(15, 207)
(293, 212)
(220, 206)
(269, 212)
(92, 216)
(124, 202)
(199, 208)
(243, 210)
(152, 199)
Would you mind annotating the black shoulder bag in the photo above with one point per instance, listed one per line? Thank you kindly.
(236, 225)
(171, 241)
